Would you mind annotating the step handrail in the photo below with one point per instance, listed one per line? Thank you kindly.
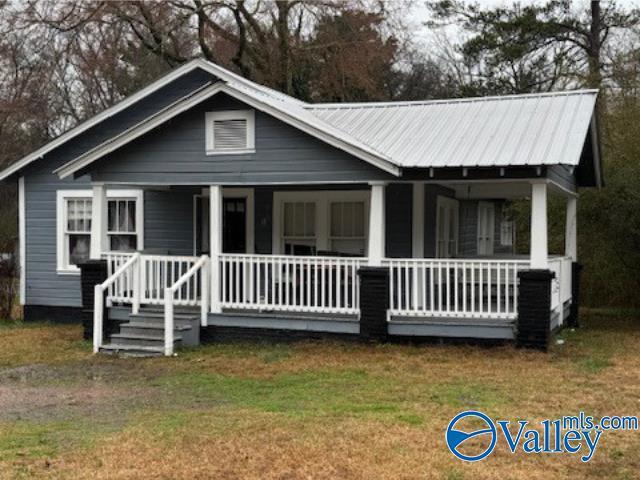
(202, 265)
(98, 299)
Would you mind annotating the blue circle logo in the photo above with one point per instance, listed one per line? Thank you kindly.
(456, 437)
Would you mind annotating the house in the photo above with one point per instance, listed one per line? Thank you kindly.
(208, 204)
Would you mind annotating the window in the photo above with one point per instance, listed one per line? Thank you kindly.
(447, 227)
(486, 226)
(122, 233)
(347, 234)
(322, 222)
(77, 231)
(230, 132)
(299, 228)
(74, 212)
(507, 233)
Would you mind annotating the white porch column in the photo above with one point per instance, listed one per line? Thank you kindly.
(571, 233)
(98, 221)
(377, 225)
(417, 227)
(539, 247)
(215, 243)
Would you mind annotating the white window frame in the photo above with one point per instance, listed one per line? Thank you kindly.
(491, 212)
(451, 205)
(323, 200)
(211, 117)
(62, 267)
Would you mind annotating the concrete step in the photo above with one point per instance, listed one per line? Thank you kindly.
(158, 317)
(177, 310)
(143, 340)
(149, 328)
(132, 350)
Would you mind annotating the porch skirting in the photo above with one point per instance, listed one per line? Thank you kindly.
(45, 313)
(289, 322)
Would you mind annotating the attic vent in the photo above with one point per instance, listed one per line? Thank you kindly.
(230, 132)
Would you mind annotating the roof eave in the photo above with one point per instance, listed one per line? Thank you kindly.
(109, 112)
(83, 161)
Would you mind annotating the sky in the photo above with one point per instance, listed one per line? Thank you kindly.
(420, 13)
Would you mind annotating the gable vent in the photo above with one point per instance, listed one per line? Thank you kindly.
(230, 134)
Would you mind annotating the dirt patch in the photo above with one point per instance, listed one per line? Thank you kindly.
(46, 392)
(55, 403)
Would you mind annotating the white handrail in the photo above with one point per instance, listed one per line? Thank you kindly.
(98, 299)
(169, 296)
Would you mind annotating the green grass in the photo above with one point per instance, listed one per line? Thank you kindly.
(258, 410)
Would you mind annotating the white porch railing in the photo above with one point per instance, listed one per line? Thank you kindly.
(561, 284)
(437, 288)
(185, 288)
(156, 280)
(120, 280)
(155, 274)
(290, 283)
(461, 288)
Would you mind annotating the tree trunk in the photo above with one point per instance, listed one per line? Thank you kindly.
(593, 52)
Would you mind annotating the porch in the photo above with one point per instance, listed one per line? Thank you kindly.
(315, 290)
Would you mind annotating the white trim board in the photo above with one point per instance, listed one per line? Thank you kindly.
(22, 240)
(362, 152)
(221, 115)
(62, 195)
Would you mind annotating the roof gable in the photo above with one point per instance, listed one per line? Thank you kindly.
(296, 117)
(131, 110)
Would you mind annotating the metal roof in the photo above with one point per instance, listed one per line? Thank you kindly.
(514, 130)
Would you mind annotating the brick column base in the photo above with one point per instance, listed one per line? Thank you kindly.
(534, 309)
(576, 270)
(92, 272)
(374, 303)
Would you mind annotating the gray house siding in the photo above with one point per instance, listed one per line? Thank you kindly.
(174, 153)
(168, 221)
(44, 286)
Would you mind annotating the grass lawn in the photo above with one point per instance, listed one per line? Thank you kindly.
(307, 410)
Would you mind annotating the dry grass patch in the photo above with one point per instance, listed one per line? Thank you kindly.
(316, 410)
(24, 344)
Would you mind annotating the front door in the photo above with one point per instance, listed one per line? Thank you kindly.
(234, 222)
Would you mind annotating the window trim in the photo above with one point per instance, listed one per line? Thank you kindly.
(113, 194)
(211, 117)
(323, 200)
